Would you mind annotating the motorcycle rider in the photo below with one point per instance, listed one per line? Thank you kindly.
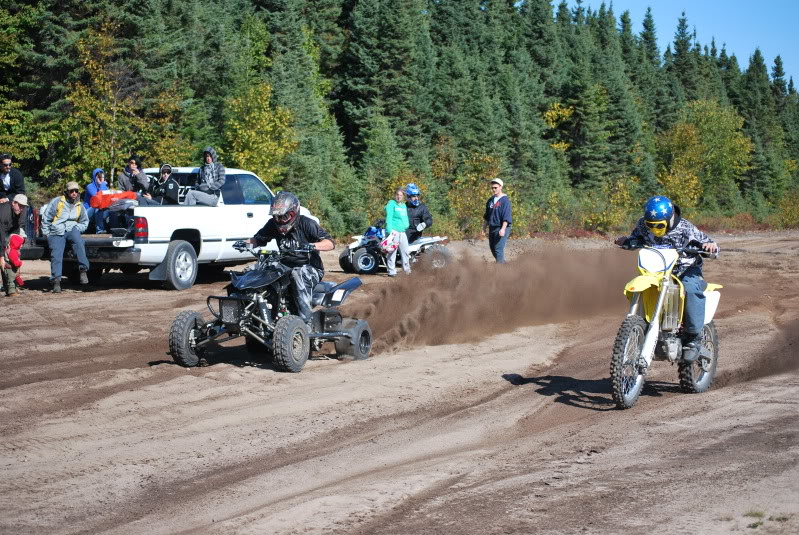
(662, 225)
(294, 231)
(419, 217)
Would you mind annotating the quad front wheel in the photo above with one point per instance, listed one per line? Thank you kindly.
(364, 262)
(291, 344)
(697, 377)
(183, 337)
(625, 374)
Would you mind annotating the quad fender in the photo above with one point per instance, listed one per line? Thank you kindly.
(336, 295)
(711, 301)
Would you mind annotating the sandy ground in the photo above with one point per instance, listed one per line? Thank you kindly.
(485, 408)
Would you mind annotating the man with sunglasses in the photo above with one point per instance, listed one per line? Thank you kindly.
(12, 182)
(294, 232)
(165, 190)
(497, 220)
(663, 226)
(64, 219)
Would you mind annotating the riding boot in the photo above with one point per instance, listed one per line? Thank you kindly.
(57, 285)
(691, 347)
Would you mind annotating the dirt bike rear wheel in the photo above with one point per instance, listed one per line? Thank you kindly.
(625, 376)
(291, 346)
(697, 377)
(183, 338)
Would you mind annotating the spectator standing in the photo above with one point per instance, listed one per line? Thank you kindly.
(98, 184)
(11, 180)
(64, 220)
(397, 219)
(419, 217)
(132, 178)
(210, 180)
(12, 216)
(497, 220)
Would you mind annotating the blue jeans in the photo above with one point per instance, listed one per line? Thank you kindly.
(57, 245)
(99, 217)
(497, 243)
(693, 320)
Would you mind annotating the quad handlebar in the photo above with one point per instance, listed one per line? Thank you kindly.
(244, 245)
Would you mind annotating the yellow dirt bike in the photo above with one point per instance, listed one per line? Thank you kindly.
(652, 328)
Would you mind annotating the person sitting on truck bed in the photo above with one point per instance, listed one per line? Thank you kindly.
(132, 178)
(165, 190)
(64, 220)
(210, 180)
(294, 231)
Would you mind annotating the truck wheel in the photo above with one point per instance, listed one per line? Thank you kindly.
(183, 338)
(364, 262)
(345, 262)
(257, 349)
(291, 344)
(437, 256)
(181, 265)
(360, 345)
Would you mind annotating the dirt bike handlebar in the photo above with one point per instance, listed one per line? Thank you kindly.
(693, 248)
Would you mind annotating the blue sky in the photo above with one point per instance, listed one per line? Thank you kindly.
(743, 25)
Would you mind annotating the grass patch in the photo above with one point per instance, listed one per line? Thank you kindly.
(781, 518)
(755, 525)
(755, 514)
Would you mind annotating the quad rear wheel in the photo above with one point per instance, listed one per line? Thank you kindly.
(625, 375)
(345, 261)
(697, 377)
(359, 345)
(364, 262)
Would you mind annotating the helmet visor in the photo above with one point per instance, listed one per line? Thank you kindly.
(285, 218)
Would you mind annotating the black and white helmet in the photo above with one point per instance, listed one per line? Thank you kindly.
(285, 210)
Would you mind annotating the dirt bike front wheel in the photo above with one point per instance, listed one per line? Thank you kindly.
(625, 375)
(697, 377)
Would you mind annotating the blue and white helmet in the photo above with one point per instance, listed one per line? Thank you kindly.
(412, 190)
(658, 208)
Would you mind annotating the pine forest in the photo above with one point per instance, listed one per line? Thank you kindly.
(341, 101)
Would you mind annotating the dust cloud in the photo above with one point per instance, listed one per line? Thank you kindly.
(781, 357)
(472, 299)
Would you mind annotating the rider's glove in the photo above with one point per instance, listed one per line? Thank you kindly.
(240, 244)
(421, 226)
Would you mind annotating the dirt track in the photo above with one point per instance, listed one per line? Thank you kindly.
(486, 409)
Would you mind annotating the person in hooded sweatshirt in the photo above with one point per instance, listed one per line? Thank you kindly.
(210, 180)
(98, 184)
(165, 190)
(132, 178)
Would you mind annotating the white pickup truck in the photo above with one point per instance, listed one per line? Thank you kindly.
(174, 242)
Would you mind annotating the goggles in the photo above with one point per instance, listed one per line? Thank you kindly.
(657, 225)
(73, 191)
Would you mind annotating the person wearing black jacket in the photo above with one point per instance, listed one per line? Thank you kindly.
(293, 232)
(11, 180)
(164, 190)
(419, 217)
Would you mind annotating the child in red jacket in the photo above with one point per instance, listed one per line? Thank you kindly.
(14, 244)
